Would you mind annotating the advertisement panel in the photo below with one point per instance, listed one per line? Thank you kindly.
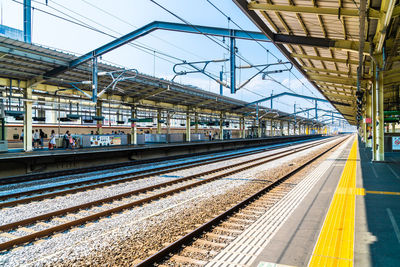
(105, 140)
(396, 143)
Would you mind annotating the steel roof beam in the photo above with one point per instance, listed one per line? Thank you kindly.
(339, 60)
(283, 94)
(337, 79)
(329, 71)
(346, 12)
(320, 42)
(196, 29)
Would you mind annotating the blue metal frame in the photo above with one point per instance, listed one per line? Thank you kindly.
(198, 69)
(232, 52)
(170, 26)
(289, 94)
(27, 21)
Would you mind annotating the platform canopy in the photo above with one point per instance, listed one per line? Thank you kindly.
(21, 63)
(349, 30)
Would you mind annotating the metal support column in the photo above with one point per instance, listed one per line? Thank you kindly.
(240, 128)
(196, 123)
(393, 127)
(232, 51)
(168, 122)
(288, 128)
(188, 127)
(244, 127)
(381, 134)
(221, 126)
(27, 21)
(368, 116)
(221, 87)
(99, 113)
(159, 121)
(133, 126)
(94, 79)
(28, 120)
(374, 111)
(281, 127)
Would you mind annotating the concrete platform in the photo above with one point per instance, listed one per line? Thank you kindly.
(39, 161)
(349, 216)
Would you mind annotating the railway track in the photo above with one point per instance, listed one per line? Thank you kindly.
(9, 200)
(206, 240)
(26, 230)
(50, 175)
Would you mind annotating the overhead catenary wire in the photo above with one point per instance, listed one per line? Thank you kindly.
(130, 24)
(215, 41)
(262, 46)
(137, 45)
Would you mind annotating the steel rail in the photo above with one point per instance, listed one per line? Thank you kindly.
(97, 183)
(53, 174)
(48, 216)
(188, 238)
(108, 212)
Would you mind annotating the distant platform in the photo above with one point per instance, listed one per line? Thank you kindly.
(39, 161)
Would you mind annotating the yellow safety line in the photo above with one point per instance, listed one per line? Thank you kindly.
(335, 245)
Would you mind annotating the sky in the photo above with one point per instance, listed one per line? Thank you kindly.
(163, 49)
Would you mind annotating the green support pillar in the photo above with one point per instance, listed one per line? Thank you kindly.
(133, 126)
(381, 134)
(258, 128)
(368, 115)
(374, 111)
(159, 121)
(188, 127)
(28, 120)
(393, 127)
(281, 127)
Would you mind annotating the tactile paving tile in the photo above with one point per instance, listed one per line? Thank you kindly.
(247, 246)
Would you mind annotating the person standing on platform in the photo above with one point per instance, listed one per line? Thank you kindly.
(66, 140)
(22, 136)
(70, 141)
(52, 142)
(209, 136)
(36, 139)
(41, 135)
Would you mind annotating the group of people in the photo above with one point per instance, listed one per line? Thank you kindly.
(68, 141)
(38, 137)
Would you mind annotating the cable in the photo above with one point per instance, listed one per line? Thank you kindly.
(83, 24)
(128, 23)
(267, 50)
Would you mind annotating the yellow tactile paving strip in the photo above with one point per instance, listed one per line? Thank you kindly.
(335, 245)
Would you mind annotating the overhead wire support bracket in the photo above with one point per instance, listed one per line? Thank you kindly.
(117, 76)
(198, 69)
(266, 66)
(267, 73)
